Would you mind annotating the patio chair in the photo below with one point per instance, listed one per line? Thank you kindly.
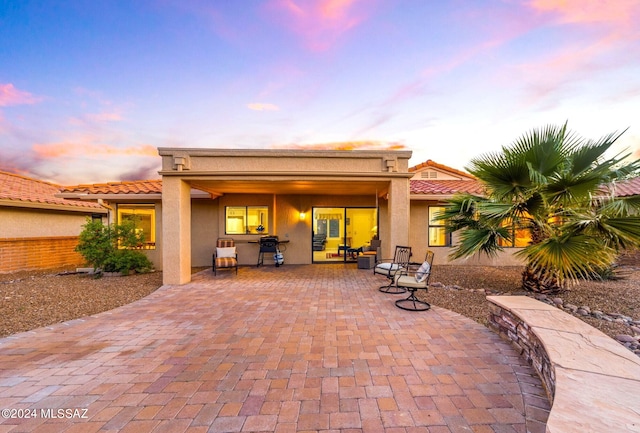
(225, 256)
(415, 277)
(374, 249)
(390, 267)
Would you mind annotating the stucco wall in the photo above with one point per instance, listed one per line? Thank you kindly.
(289, 225)
(205, 230)
(419, 241)
(30, 223)
(38, 239)
(208, 224)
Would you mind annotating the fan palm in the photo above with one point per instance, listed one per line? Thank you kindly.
(559, 189)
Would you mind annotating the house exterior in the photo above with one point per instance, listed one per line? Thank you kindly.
(327, 206)
(322, 203)
(37, 228)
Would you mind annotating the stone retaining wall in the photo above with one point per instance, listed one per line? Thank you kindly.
(592, 381)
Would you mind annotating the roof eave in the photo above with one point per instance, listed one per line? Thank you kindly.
(52, 206)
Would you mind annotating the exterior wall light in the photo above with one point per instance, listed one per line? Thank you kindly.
(302, 216)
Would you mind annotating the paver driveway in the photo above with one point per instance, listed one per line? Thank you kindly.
(295, 348)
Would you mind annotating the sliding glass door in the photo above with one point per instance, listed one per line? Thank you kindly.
(341, 234)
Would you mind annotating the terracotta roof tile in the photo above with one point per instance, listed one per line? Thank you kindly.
(628, 187)
(433, 164)
(445, 187)
(129, 187)
(18, 188)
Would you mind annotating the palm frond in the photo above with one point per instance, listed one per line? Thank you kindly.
(620, 206)
(569, 258)
(480, 240)
(584, 157)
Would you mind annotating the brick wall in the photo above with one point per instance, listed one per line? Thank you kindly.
(18, 254)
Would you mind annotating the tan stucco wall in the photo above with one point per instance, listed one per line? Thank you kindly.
(27, 223)
(236, 161)
(205, 223)
(208, 224)
(289, 226)
(418, 233)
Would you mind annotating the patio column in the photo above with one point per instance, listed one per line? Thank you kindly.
(398, 216)
(176, 230)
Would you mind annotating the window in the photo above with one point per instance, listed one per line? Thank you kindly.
(241, 220)
(144, 218)
(438, 236)
(520, 237)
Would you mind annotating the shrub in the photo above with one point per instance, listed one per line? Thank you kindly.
(111, 248)
(126, 261)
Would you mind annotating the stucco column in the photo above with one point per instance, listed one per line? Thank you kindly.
(398, 216)
(176, 231)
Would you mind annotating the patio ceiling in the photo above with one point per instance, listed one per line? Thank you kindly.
(315, 187)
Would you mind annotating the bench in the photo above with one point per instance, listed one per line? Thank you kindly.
(591, 380)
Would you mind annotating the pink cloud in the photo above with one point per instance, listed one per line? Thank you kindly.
(320, 23)
(262, 106)
(345, 145)
(65, 149)
(618, 12)
(105, 117)
(9, 95)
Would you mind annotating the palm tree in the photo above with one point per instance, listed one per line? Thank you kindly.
(559, 190)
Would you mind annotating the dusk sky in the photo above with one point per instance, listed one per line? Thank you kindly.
(90, 89)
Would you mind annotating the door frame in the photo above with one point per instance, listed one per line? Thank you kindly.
(343, 234)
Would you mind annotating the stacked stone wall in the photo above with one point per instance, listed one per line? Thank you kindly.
(512, 329)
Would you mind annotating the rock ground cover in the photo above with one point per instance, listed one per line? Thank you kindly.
(30, 300)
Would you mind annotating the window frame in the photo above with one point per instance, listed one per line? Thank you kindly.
(149, 244)
(438, 225)
(513, 230)
(246, 219)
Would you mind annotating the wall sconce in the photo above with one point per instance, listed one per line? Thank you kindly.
(302, 216)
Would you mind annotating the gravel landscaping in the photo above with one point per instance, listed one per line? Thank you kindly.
(463, 290)
(30, 300)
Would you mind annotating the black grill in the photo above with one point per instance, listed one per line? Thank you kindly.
(269, 244)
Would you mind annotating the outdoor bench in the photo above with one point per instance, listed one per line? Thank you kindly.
(591, 380)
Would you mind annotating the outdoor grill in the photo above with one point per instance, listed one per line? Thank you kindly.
(270, 245)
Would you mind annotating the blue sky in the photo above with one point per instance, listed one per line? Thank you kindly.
(90, 89)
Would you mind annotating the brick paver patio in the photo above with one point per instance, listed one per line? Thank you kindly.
(289, 349)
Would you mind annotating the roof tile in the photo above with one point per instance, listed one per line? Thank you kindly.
(128, 187)
(14, 187)
(628, 187)
(445, 187)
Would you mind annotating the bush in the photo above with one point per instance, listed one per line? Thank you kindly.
(126, 261)
(111, 248)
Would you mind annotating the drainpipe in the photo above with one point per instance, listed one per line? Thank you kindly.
(102, 203)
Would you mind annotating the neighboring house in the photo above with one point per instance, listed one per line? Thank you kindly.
(37, 229)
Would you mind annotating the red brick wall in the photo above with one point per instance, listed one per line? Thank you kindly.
(18, 254)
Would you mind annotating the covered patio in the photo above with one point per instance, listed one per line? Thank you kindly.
(300, 348)
(286, 184)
